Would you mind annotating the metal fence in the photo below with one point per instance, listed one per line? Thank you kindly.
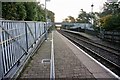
(17, 38)
(112, 36)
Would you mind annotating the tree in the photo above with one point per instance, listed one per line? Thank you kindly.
(84, 17)
(110, 22)
(69, 19)
(13, 10)
(21, 12)
(51, 16)
(110, 8)
(110, 17)
(29, 11)
(9, 10)
(40, 14)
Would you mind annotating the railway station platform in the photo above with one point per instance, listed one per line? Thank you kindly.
(59, 58)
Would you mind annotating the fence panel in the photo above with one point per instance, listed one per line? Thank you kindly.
(16, 38)
(11, 51)
(30, 33)
(112, 36)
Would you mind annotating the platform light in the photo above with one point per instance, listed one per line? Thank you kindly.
(46, 14)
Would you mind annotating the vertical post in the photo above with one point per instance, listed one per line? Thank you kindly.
(40, 30)
(92, 13)
(0, 9)
(35, 32)
(112, 39)
(45, 21)
(1, 58)
(46, 26)
(26, 36)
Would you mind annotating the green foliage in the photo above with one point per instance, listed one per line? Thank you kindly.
(110, 17)
(110, 22)
(51, 15)
(110, 8)
(13, 11)
(40, 14)
(9, 10)
(29, 11)
(69, 19)
(21, 12)
(84, 17)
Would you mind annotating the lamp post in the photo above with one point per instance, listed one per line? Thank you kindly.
(0, 10)
(46, 26)
(92, 14)
(92, 7)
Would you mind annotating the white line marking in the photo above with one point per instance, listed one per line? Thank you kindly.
(116, 76)
(52, 66)
(46, 61)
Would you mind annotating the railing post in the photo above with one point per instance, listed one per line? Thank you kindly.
(1, 61)
(40, 30)
(45, 30)
(26, 36)
(112, 39)
(35, 32)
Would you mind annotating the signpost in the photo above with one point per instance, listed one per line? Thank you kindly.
(46, 26)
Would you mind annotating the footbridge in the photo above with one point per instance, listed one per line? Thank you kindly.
(63, 23)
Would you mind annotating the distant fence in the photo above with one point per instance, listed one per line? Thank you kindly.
(17, 39)
(92, 32)
(112, 36)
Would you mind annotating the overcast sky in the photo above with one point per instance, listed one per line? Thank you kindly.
(64, 8)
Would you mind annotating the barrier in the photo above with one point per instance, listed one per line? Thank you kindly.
(17, 41)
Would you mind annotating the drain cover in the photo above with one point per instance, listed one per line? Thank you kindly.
(45, 60)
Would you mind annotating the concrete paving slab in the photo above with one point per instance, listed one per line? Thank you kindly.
(70, 62)
(67, 65)
(37, 69)
(91, 65)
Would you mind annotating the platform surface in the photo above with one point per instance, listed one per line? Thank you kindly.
(70, 62)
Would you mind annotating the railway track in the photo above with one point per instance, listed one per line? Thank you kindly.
(107, 56)
(114, 49)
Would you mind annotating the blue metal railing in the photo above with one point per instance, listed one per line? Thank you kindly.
(16, 40)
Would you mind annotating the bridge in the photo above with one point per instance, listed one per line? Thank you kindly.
(28, 51)
(63, 23)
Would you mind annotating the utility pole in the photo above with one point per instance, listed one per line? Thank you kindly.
(46, 18)
(92, 14)
(0, 9)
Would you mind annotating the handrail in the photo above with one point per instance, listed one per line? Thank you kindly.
(16, 43)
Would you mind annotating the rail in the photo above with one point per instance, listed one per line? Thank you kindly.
(18, 39)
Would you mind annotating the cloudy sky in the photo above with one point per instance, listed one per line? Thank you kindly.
(64, 8)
